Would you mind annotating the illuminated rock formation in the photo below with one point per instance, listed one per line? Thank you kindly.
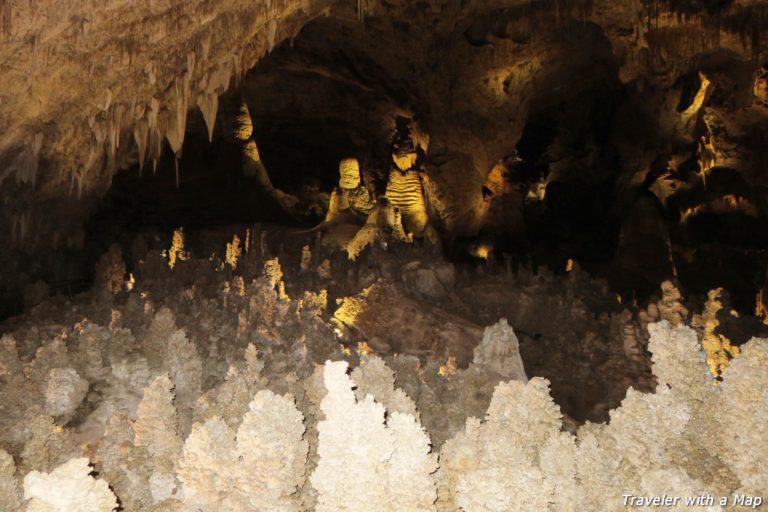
(260, 466)
(389, 459)
(252, 164)
(351, 196)
(68, 487)
(404, 192)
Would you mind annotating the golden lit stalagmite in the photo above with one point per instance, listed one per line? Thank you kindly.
(353, 201)
(351, 195)
(689, 116)
(405, 193)
(383, 222)
(349, 174)
(356, 192)
(244, 126)
(718, 348)
(252, 164)
(404, 188)
(234, 252)
(177, 252)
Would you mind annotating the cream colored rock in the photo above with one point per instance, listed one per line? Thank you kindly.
(503, 473)
(157, 426)
(389, 464)
(373, 378)
(742, 415)
(9, 489)
(500, 352)
(670, 306)
(260, 467)
(64, 391)
(183, 364)
(678, 361)
(68, 488)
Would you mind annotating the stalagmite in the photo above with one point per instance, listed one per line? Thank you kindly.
(499, 352)
(252, 164)
(718, 347)
(404, 192)
(157, 424)
(9, 490)
(389, 461)
(258, 466)
(383, 222)
(349, 174)
(244, 127)
(176, 251)
(233, 252)
(68, 488)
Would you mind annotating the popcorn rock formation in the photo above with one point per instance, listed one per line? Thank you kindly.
(171, 418)
(69, 487)
(390, 461)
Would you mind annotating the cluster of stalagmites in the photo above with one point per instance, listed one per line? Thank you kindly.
(199, 391)
(356, 216)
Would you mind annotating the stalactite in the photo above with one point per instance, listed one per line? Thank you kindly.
(6, 10)
(362, 10)
(117, 114)
(141, 136)
(156, 132)
(100, 133)
(151, 71)
(176, 163)
(205, 46)
(154, 108)
(107, 102)
(177, 129)
(77, 177)
(209, 106)
(237, 71)
(35, 42)
(25, 166)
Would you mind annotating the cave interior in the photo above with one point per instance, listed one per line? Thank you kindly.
(446, 195)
